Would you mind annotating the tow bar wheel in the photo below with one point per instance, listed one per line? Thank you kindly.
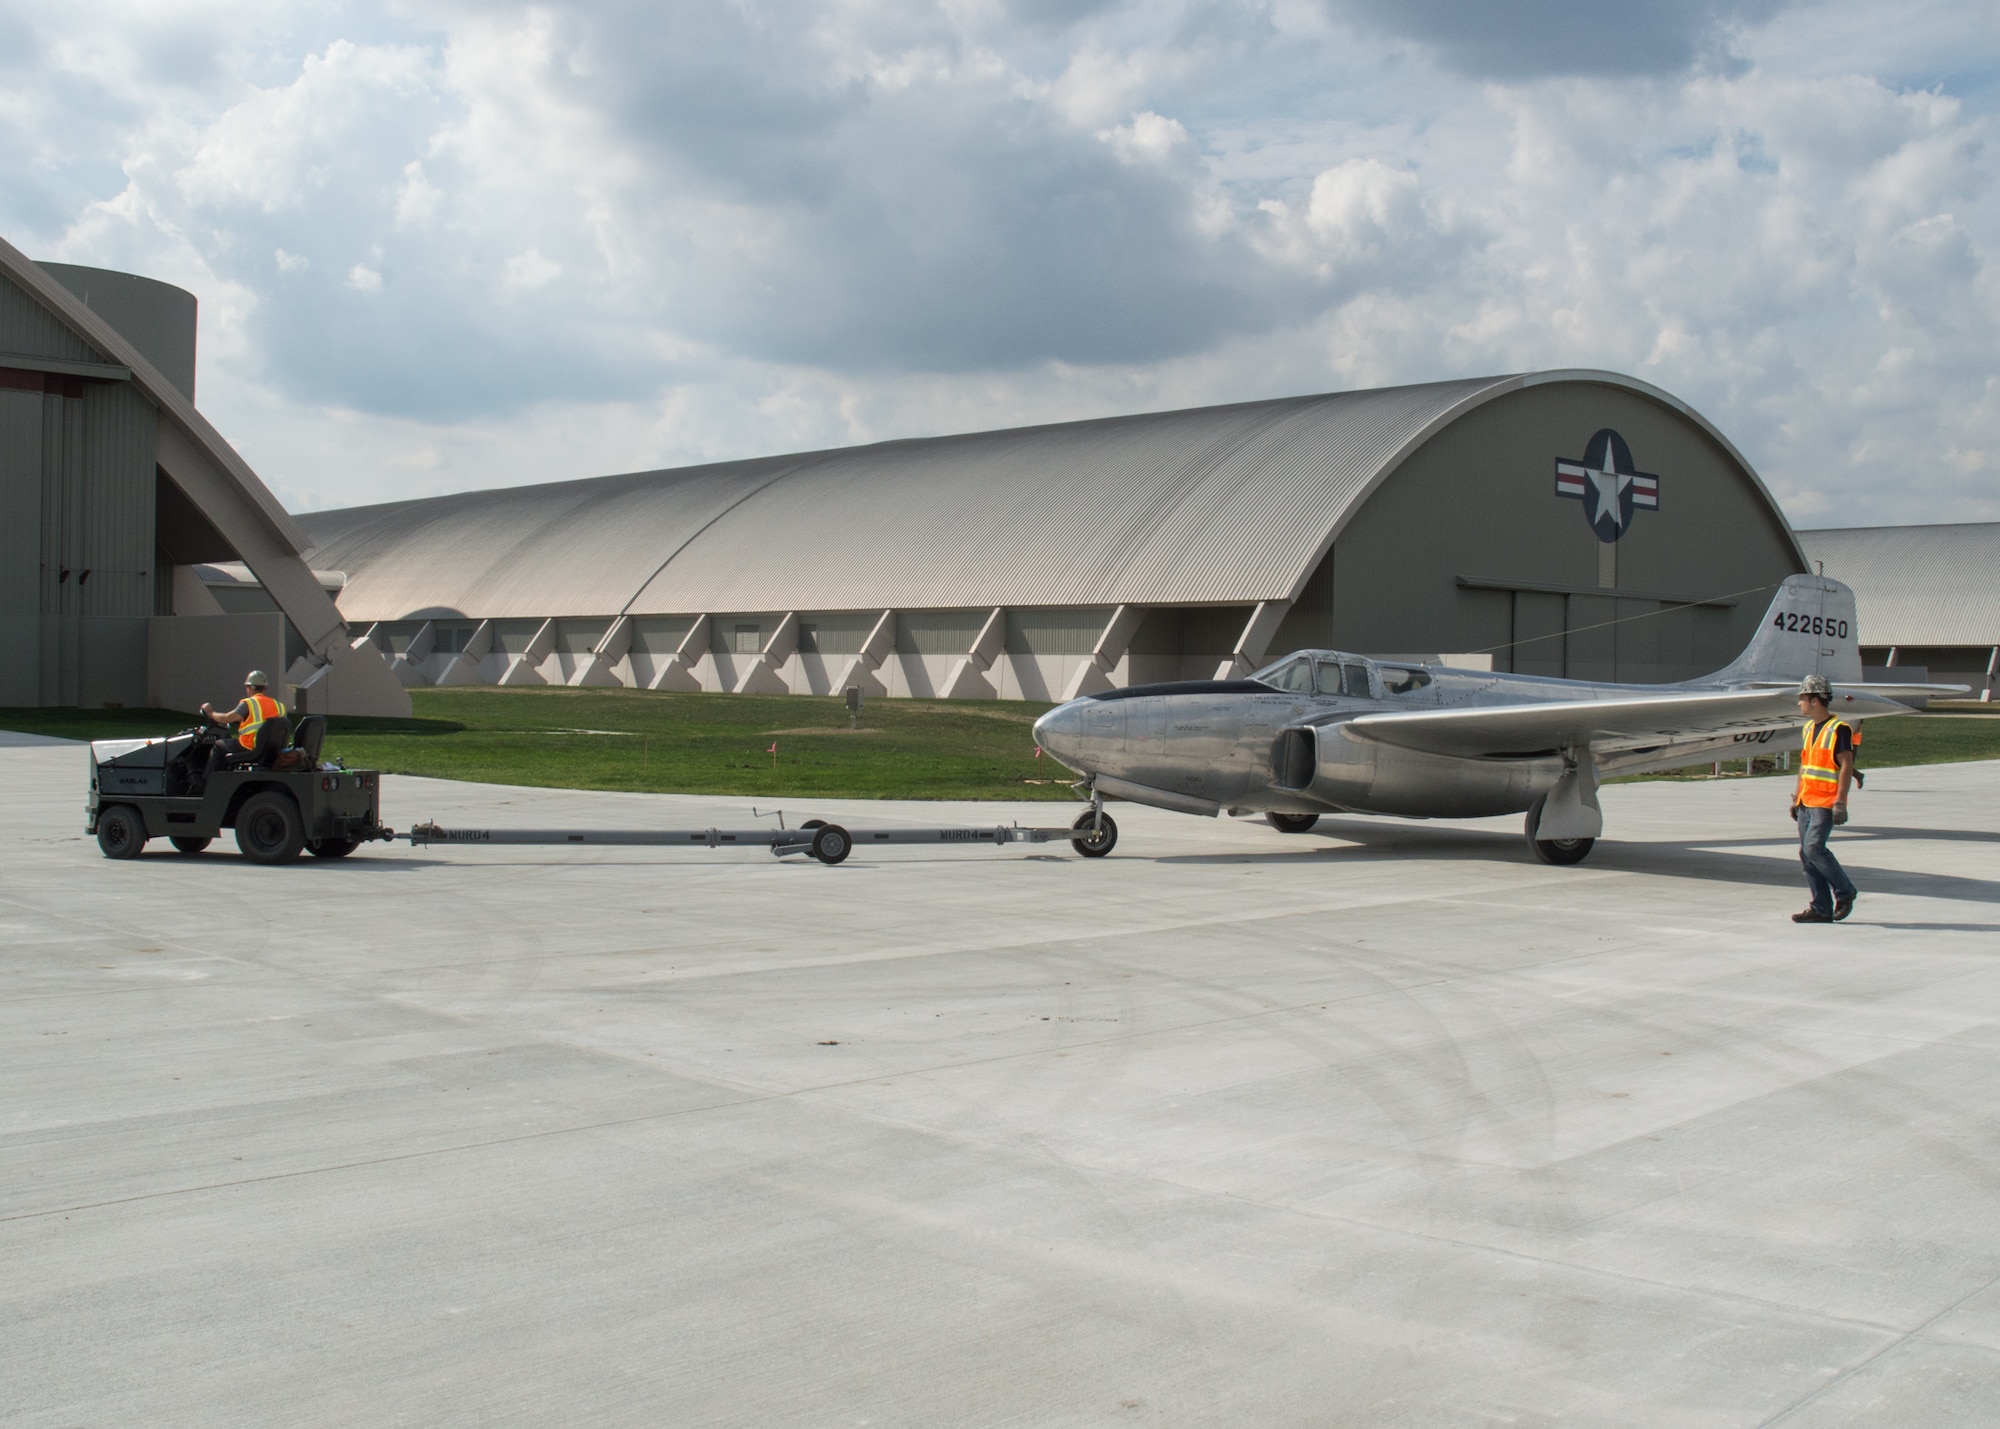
(269, 829)
(1096, 835)
(121, 831)
(831, 843)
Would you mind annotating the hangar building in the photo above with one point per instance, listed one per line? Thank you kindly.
(1930, 608)
(115, 492)
(1573, 523)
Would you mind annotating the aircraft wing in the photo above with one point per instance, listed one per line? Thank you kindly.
(1627, 722)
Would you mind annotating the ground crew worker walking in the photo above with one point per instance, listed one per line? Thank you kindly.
(1826, 768)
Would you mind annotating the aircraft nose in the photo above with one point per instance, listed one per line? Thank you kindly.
(1060, 731)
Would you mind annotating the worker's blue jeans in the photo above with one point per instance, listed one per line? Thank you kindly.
(1826, 880)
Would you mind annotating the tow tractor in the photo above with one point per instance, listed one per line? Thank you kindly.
(281, 802)
(284, 801)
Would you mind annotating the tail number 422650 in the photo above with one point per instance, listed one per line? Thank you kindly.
(1810, 624)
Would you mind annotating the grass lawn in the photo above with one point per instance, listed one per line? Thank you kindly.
(1936, 737)
(720, 744)
(670, 743)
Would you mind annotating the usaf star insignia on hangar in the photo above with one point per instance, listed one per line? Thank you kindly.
(1608, 484)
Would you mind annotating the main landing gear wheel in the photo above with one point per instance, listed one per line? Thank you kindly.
(1096, 834)
(332, 848)
(269, 829)
(1561, 852)
(182, 845)
(831, 843)
(121, 831)
(1292, 823)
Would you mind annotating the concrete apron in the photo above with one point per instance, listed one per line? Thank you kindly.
(1393, 1127)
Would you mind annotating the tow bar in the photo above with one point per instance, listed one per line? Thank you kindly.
(1092, 835)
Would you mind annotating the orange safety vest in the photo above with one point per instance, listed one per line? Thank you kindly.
(1819, 772)
(261, 707)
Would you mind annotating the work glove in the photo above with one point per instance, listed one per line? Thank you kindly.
(1793, 813)
(1839, 814)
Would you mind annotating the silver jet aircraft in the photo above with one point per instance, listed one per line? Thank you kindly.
(1321, 731)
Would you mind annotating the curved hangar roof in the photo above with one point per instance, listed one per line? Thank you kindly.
(1219, 505)
(1918, 585)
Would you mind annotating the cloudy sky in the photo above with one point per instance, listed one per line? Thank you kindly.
(441, 246)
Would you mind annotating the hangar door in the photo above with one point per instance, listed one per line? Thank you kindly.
(76, 540)
(1609, 637)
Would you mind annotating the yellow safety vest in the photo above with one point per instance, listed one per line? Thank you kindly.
(1819, 772)
(262, 708)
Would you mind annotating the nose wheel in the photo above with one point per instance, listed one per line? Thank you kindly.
(1096, 835)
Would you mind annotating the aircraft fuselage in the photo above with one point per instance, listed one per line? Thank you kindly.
(1323, 731)
(1250, 745)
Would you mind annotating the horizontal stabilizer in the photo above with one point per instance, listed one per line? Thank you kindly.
(1626, 722)
(1902, 693)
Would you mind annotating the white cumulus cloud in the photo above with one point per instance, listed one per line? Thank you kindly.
(528, 270)
(724, 230)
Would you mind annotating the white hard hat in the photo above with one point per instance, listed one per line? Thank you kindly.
(258, 680)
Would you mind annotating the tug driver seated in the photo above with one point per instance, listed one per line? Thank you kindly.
(249, 716)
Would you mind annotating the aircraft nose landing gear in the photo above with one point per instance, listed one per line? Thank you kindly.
(1096, 835)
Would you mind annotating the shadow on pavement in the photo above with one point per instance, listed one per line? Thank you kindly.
(1701, 860)
(1930, 927)
(1786, 834)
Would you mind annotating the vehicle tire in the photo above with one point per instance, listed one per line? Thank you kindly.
(1560, 852)
(1097, 835)
(813, 824)
(121, 831)
(332, 848)
(269, 829)
(831, 843)
(182, 845)
(1292, 823)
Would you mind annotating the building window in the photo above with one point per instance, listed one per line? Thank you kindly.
(747, 642)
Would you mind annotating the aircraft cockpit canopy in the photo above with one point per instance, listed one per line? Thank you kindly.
(1332, 673)
(1293, 675)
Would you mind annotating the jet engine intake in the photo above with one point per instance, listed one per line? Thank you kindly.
(1294, 758)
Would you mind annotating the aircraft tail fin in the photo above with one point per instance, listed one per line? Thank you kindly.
(1810, 629)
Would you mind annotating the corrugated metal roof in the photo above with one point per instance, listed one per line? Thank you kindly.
(1917, 585)
(571, 548)
(1225, 505)
(1219, 505)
